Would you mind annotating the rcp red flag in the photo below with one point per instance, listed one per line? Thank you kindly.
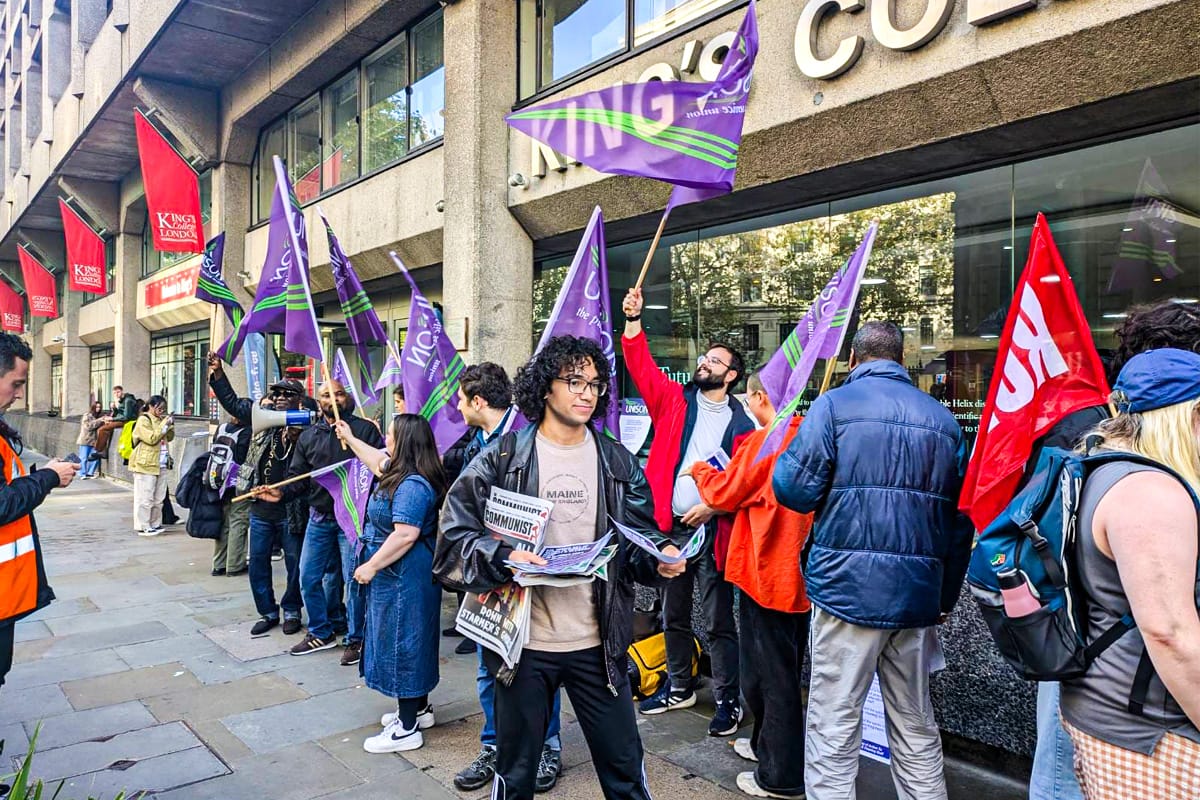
(1046, 368)
(12, 314)
(172, 192)
(87, 265)
(39, 285)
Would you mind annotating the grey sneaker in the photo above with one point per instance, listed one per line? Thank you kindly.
(479, 772)
(549, 768)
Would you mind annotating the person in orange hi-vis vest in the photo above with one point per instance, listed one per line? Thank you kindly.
(763, 560)
(23, 586)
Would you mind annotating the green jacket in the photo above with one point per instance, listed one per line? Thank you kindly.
(148, 434)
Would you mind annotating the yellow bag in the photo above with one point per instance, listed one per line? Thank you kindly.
(125, 443)
(648, 665)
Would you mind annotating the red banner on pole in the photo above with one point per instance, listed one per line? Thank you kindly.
(39, 285)
(87, 266)
(1046, 368)
(172, 192)
(12, 311)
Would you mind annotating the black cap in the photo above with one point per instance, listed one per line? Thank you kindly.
(288, 386)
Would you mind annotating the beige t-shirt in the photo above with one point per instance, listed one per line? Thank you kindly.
(563, 619)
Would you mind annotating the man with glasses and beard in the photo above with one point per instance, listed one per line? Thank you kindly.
(325, 545)
(691, 423)
(267, 461)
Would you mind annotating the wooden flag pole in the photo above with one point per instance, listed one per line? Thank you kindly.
(337, 416)
(258, 489)
(662, 223)
(830, 364)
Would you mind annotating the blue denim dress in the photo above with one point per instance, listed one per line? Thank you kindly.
(400, 645)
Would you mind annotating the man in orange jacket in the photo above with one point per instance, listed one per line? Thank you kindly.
(764, 562)
(23, 586)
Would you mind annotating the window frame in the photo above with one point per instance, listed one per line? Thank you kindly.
(260, 215)
(201, 341)
(542, 91)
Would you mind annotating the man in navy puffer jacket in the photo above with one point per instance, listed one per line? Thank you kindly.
(881, 463)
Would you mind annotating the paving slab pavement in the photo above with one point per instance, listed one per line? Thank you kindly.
(143, 676)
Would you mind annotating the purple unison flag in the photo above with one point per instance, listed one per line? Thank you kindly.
(393, 374)
(341, 373)
(301, 334)
(362, 323)
(583, 308)
(685, 133)
(349, 484)
(431, 366)
(826, 323)
(1146, 253)
(211, 286)
(267, 313)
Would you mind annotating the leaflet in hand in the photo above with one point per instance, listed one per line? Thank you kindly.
(691, 548)
(517, 518)
(566, 565)
(718, 459)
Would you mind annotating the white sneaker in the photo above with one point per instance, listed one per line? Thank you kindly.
(150, 532)
(394, 739)
(742, 748)
(749, 784)
(424, 718)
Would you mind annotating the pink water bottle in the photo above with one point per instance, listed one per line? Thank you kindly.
(1018, 598)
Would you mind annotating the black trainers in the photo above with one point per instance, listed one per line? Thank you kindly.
(464, 647)
(312, 644)
(549, 768)
(727, 719)
(291, 625)
(478, 773)
(667, 700)
(263, 625)
(352, 654)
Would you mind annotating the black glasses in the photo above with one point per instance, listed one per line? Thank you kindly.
(577, 385)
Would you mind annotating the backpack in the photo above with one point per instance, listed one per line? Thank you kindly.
(1035, 536)
(220, 457)
(646, 663)
(125, 443)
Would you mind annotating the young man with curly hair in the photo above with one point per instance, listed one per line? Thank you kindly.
(578, 634)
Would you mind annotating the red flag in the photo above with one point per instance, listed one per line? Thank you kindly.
(87, 266)
(172, 192)
(1046, 368)
(39, 285)
(12, 313)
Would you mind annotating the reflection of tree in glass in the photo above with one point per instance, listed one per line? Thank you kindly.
(546, 287)
(387, 130)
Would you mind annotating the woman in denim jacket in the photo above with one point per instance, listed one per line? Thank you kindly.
(400, 643)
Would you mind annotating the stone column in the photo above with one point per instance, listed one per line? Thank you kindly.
(487, 270)
(231, 213)
(131, 342)
(37, 389)
(77, 366)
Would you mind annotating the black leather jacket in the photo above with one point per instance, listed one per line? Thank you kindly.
(468, 558)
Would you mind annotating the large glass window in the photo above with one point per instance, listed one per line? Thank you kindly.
(340, 162)
(56, 383)
(304, 137)
(177, 370)
(385, 78)
(560, 38)
(101, 383)
(427, 109)
(1125, 217)
(391, 104)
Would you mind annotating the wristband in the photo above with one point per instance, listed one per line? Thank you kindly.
(633, 318)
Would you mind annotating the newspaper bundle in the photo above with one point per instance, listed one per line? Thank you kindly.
(568, 565)
(499, 619)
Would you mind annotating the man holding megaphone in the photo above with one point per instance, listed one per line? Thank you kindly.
(276, 429)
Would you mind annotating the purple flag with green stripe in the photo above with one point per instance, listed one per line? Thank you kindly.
(392, 375)
(826, 322)
(682, 132)
(362, 323)
(301, 334)
(349, 484)
(430, 366)
(267, 313)
(341, 373)
(211, 286)
(583, 308)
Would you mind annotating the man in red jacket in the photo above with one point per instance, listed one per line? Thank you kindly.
(691, 423)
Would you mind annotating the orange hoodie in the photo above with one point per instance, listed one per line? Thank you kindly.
(764, 547)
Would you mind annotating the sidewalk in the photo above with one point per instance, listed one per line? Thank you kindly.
(145, 678)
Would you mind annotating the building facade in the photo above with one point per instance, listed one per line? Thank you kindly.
(952, 122)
